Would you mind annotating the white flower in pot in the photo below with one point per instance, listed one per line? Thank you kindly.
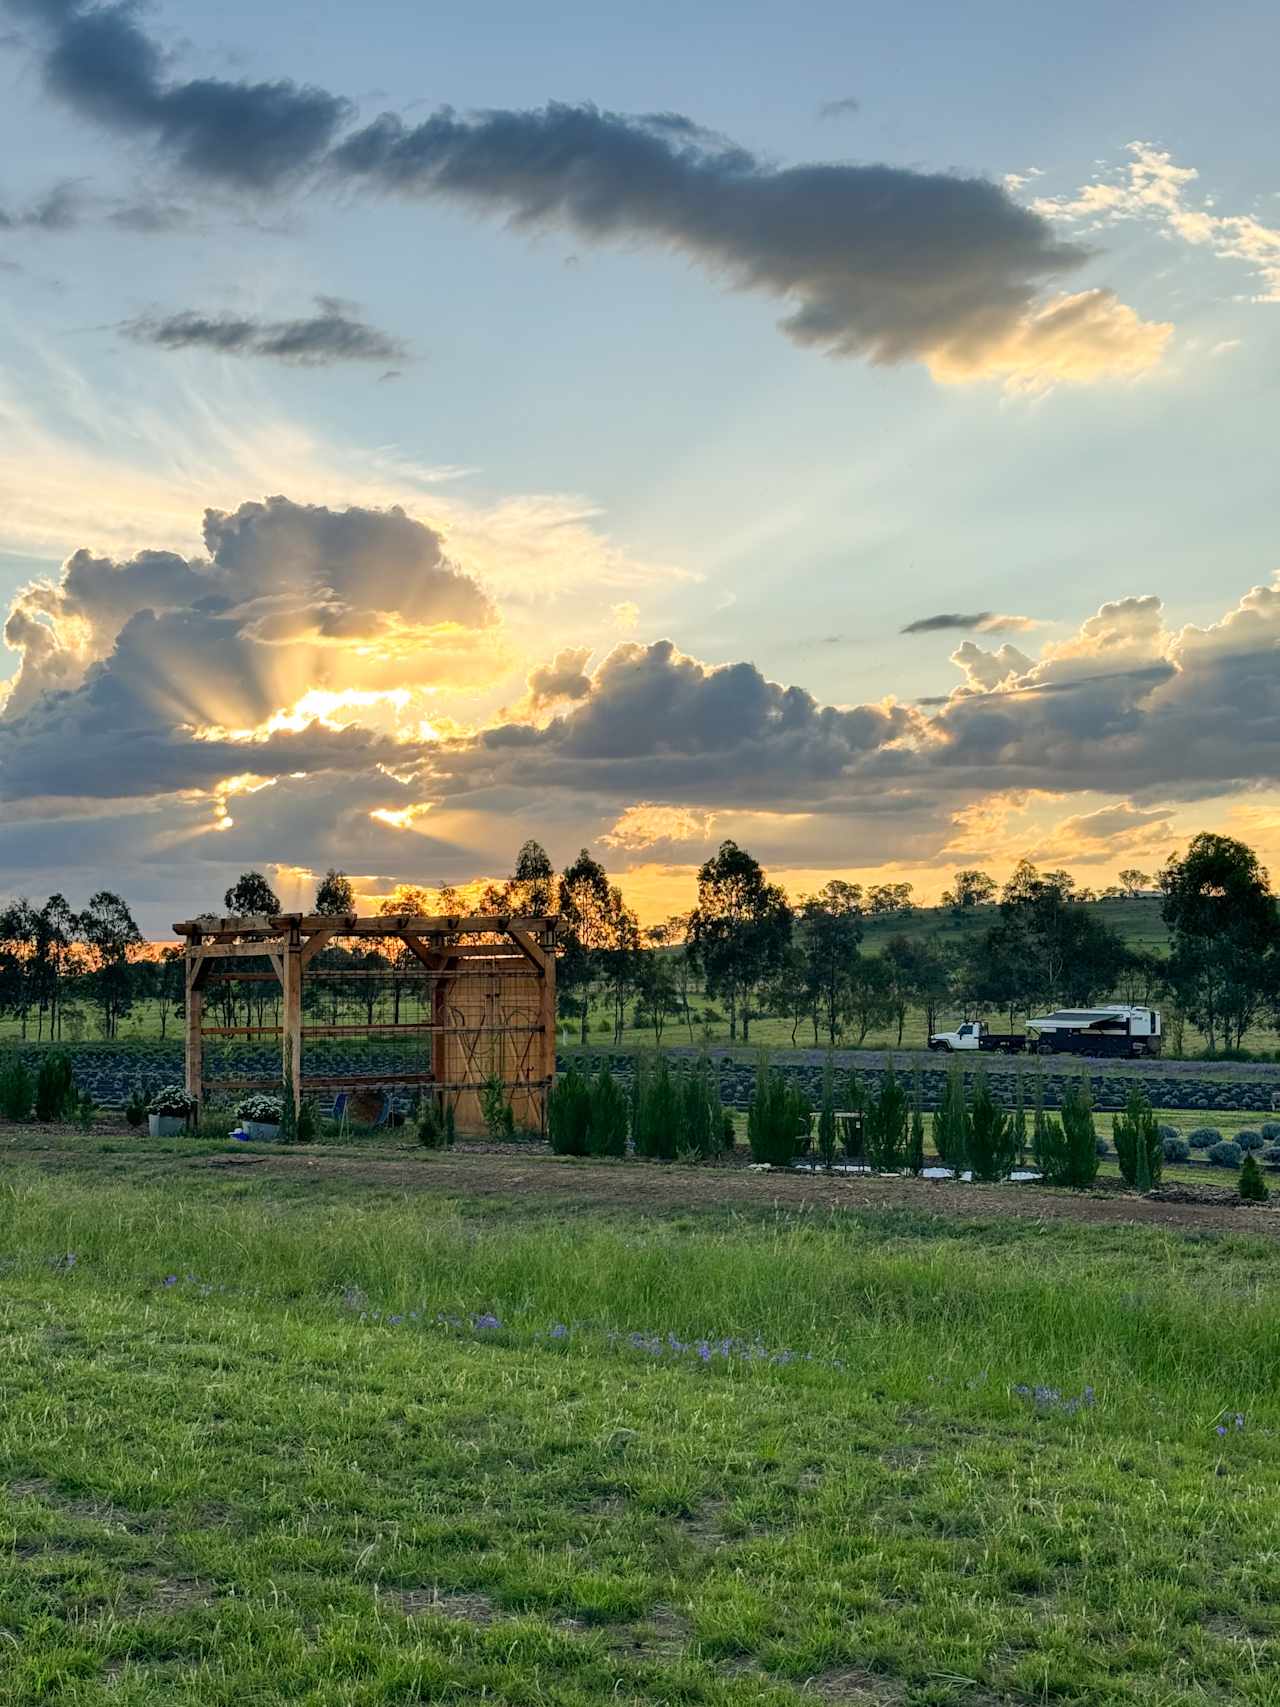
(169, 1111)
(259, 1115)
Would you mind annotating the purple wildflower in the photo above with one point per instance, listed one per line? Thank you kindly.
(558, 1331)
(171, 1280)
(486, 1323)
(1221, 1429)
(394, 1321)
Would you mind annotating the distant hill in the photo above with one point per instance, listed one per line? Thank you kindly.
(1138, 922)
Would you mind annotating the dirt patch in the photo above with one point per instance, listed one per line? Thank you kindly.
(852, 1685)
(475, 1609)
(165, 1596)
(663, 1635)
(631, 1185)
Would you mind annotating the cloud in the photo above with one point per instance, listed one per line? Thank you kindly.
(564, 678)
(645, 825)
(151, 218)
(983, 621)
(256, 136)
(58, 209)
(320, 340)
(1152, 187)
(872, 261)
(877, 262)
(845, 107)
(1105, 835)
(291, 598)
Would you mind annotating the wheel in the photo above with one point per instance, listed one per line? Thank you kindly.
(1044, 1047)
(941, 1048)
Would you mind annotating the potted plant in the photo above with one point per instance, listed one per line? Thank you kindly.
(259, 1115)
(169, 1111)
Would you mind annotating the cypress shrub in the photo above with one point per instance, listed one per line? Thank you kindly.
(700, 1118)
(656, 1121)
(16, 1091)
(886, 1121)
(569, 1114)
(607, 1116)
(56, 1097)
(993, 1149)
(1139, 1146)
(915, 1138)
(778, 1119)
(951, 1122)
(1252, 1187)
(1070, 1145)
(1019, 1123)
(827, 1141)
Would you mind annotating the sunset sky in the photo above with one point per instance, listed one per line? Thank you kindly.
(850, 430)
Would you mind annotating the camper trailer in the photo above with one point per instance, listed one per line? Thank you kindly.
(1116, 1030)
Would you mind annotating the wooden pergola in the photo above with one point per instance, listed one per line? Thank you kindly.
(487, 983)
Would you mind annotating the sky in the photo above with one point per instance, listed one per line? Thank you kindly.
(849, 431)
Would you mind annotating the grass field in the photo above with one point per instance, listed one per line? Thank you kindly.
(273, 1439)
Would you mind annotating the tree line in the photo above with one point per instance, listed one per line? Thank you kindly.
(744, 944)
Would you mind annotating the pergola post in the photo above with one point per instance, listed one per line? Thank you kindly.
(193, 1007)
(291, 1018)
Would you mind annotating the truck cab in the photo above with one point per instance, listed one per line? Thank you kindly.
(967, 1036)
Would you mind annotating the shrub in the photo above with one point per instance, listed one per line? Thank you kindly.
(1204, 1137)
(606, 1116)
(915, 1138)
(308, 1123)
(1252, 1186)
(135, 1110)
(951, 1122)
(855, 1129)
(84, 1112)
(1175, 1148)
(1270, 1130)
(1224, 1154)
(729, 1133)
(885, 1124)
(1069, 1149)
(655, 1121)
(569, 1114)
(993, 1149)
(1167, 1131)
(1104, 1149)
(172, 1103)
(262, 1108)
(699, 1114)
(1272, 1154)
(495, 1108)
(1019, 1122)
(56, 1097)
(1250, 1138)
(828, 1142)
(16, 1091)
(1138, 1144)
(429, 1123)
(778, 1119)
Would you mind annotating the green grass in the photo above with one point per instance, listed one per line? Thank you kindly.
(251, 1486)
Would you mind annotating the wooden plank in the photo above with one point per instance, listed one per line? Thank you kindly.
(315, 943)
(433, 959)
(236, 951)
(548, 1034)
(528, 946)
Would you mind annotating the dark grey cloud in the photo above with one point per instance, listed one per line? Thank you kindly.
(947, 620)
(331, 335)
(845, 107)
(877, 261)
(99, 60)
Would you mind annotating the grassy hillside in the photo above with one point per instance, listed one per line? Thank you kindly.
(1138, 922)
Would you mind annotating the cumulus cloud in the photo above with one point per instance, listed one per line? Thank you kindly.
(1152, 187)
(874, 261)
(1107, 834)
(291, 601)
(99, 60)
(564, 678)
(332, 335)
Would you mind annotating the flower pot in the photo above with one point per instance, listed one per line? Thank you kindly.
(261, 1131)
(166, 1125)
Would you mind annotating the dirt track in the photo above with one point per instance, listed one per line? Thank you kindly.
(650, 1186)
